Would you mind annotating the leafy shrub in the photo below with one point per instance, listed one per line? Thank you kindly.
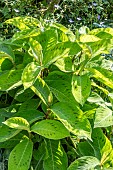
(57, 95)
(71, 13)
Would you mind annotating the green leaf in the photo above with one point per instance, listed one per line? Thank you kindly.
(7, 133)
(62, 37)
(101, 47)
(95, 61)
(30, 74)
(23, 22)
(31, 103)
(60, 50)
(24, 35)
(12, 142)
(57, 51)
(103, 32)
(65, 64)
(104, 35)
(36, 49)
(7, 50)
(42, 90)
(20, 156)
(31, 115)
(57, 158)
(47, 39)
(6, 65)
(84, 163)
(51, 129)
(60, 85)
(14, 45)
(100, 87)
(81, 87)
(24, 95)
(103, 117)
(88, 38)
(17, 123)
(65, 30)
(75, 48)
(102, 75)
(72, 120)
(10, 79)
(102, 147)
(96, 99)
(85, 149)
(41, 153)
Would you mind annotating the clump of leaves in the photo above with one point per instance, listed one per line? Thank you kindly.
(57, 95)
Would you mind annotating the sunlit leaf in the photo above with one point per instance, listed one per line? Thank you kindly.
(57, 51)
(102, 147)
(102, 75)
(64, 30)
(88, 38)
(65, 64)
(24, 35)
(100, 87)
(62, 37)
(41, 89)
(81, 87)
(101, 47)
(47, 39)
(30, 74)
(51, 129)
(23, 22)
(95, 61)
(36, 49)
(17, 123)
(102, 32)
(71, 119)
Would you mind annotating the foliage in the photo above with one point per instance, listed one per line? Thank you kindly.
(76, 13)
(71, 13)
(56, 97)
